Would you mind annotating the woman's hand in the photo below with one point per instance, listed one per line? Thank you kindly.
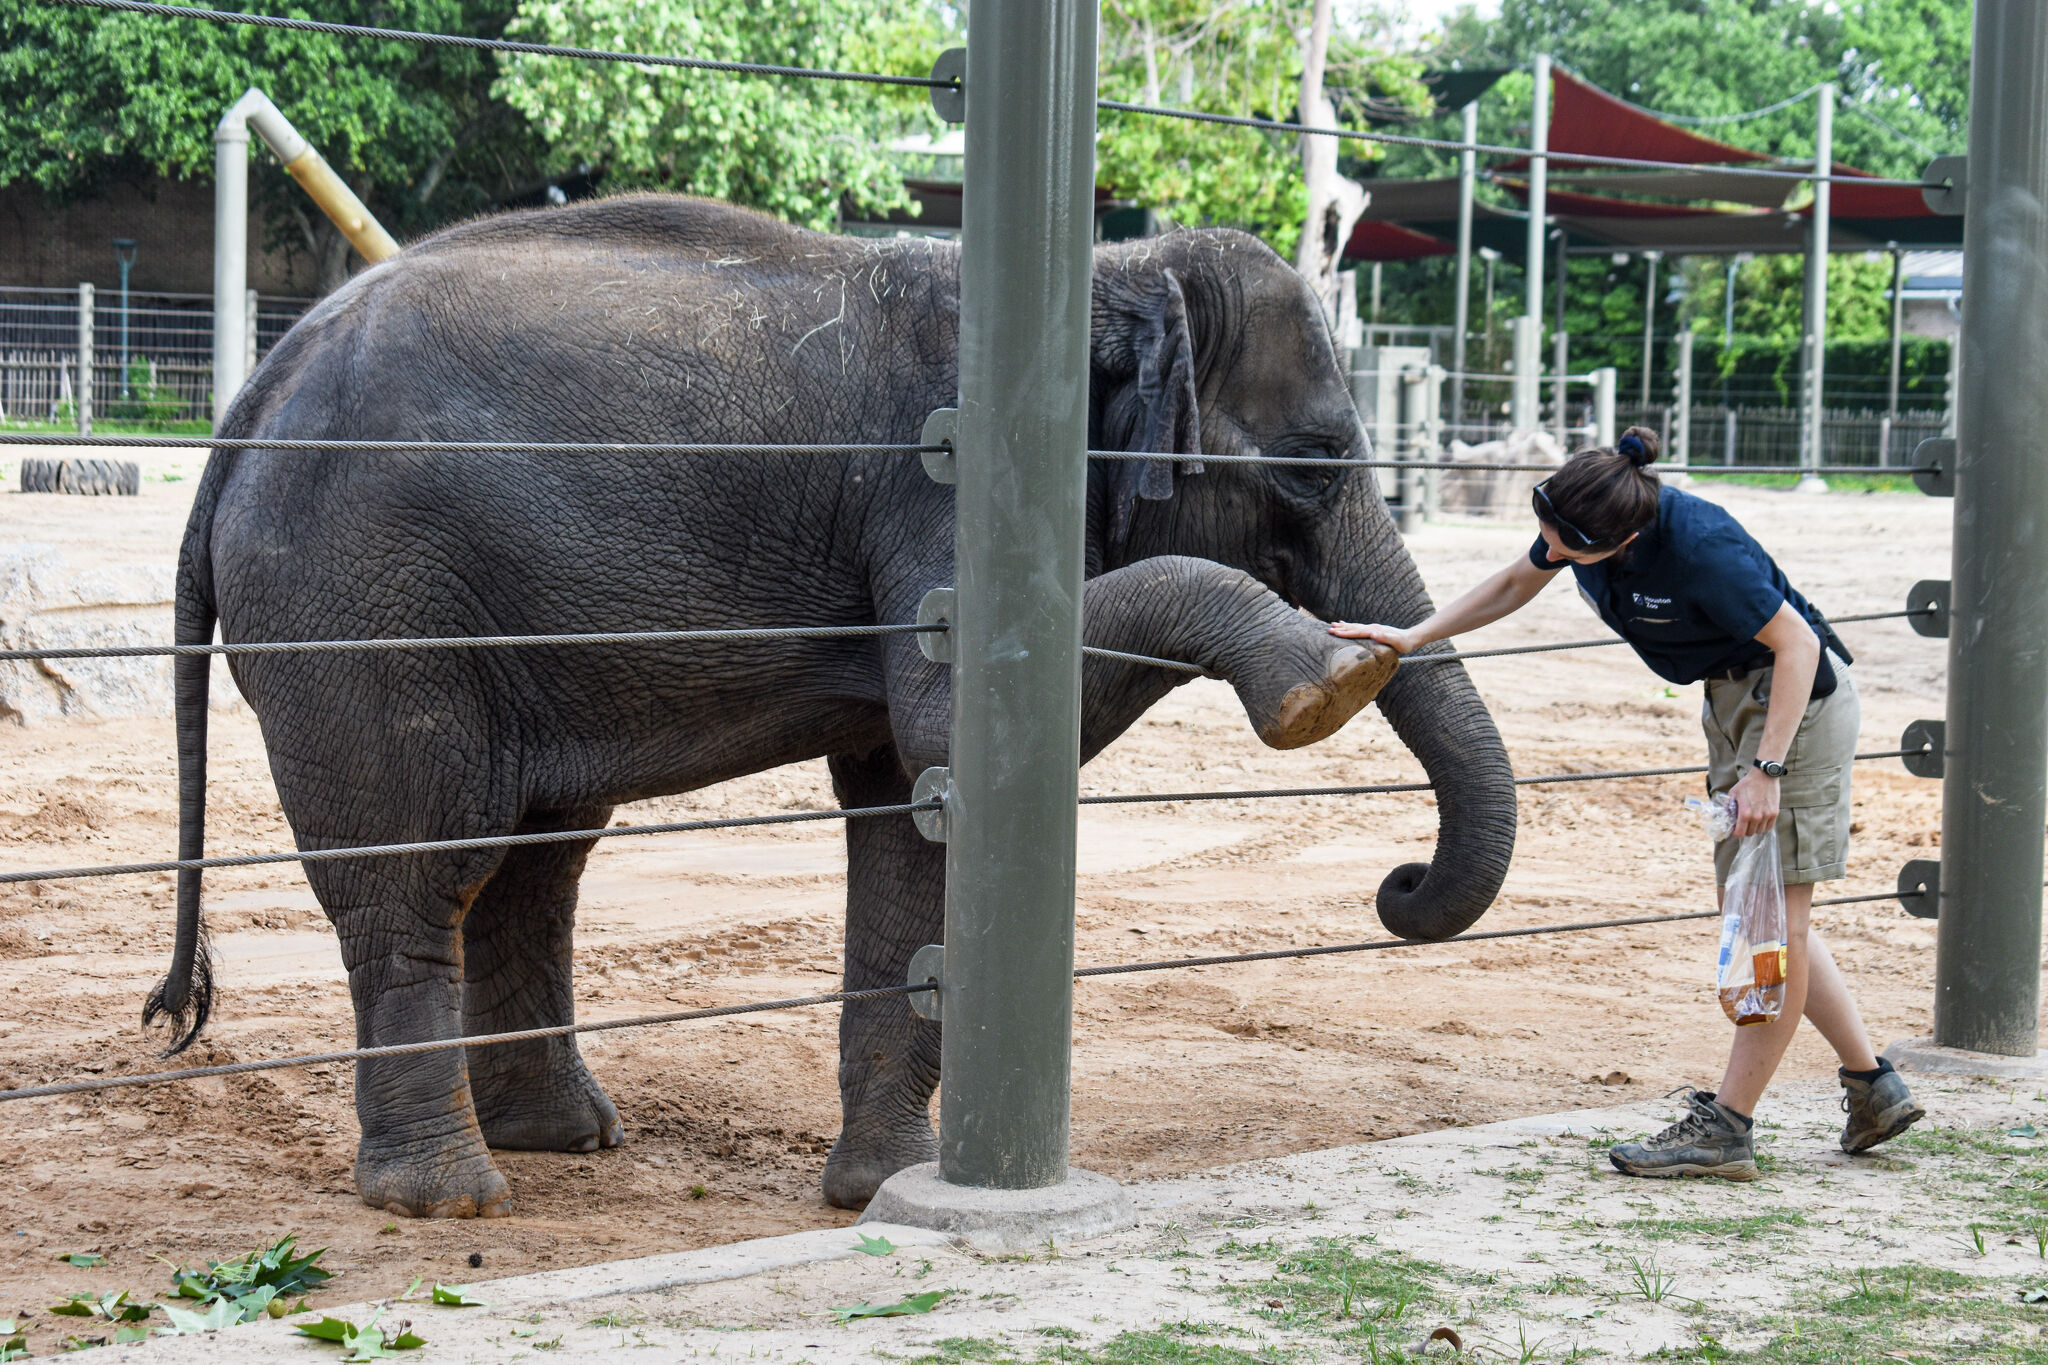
(1399, 640)
(1756, 803)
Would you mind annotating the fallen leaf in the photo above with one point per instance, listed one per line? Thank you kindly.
(874, 1246)
(916, 1303)
(456, 1296)
(2025, 1130)
(2034, 1295)
(184, 1322)
(86, 1260)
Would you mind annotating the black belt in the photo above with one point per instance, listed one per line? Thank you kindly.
(1741, 671)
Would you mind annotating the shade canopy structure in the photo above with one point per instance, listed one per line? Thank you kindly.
(1710, 211)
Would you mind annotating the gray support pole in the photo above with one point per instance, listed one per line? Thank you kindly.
(1527, 343)
(1027, 226)
(1468, 175)
(1681, 431)
(85, 360)
(1988, 963)
(1891, 407)
(1603, 406)
(1560, 359)
(249, 333)
(1816, 329)
(1649, 321)
(1539, 183)
(230, 260)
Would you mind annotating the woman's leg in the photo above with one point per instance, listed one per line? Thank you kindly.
(1760, 1047)
(1813, 988)
(1831, 1009)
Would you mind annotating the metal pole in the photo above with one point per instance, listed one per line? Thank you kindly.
(1649, 321)
(124, 256)
(1560, 345)
(1027, 222)
(1468, 175)
(230, 259)
(1891, 407)
(85, 360)
(1988, 962)
(249, 333)
(1681, 444)
(1816, 330)
(1603, 406)
(1560, 358)
(1539, 182)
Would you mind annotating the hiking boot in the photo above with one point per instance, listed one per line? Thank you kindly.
(1709, 1140)
(1878, 1110)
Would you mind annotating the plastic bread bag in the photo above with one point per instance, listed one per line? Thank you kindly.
(1750, 974)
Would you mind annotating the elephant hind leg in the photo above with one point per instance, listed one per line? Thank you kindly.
(400, 924)
(518, 973)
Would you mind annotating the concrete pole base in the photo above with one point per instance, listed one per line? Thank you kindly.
(1921, 1054)
(1001, 1221)
(1811, 483)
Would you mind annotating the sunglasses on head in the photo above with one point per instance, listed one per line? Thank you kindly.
(1574, 540)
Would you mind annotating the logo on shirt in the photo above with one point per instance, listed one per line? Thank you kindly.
(1649, 603)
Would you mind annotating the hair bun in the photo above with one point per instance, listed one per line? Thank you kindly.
(1639, 444)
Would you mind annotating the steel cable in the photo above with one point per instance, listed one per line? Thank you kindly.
(194, 1073)
(835, 997)
(1491, 149)
(1394, 788)
(307, 446)
(498, 44)
(1458, 656)
(1494, 466)
(622, 637)
(566, 836)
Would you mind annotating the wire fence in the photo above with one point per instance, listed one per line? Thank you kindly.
(195, 1073)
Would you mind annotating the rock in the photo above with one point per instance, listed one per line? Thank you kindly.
(1496, 492)
(45, 604)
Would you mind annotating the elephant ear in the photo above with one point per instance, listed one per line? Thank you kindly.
(1152, 352)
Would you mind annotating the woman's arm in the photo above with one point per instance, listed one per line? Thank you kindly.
(1507, 591)
(1796, 651)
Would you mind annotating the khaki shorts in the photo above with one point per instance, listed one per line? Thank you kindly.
(1813, 796)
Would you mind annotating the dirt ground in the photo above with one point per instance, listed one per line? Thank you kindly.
(728, 1122)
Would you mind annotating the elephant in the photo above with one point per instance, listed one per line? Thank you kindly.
(667, 319)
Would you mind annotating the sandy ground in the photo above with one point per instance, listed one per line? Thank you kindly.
(728, 1123)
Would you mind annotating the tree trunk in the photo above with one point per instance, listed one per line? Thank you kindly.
(1334, 202)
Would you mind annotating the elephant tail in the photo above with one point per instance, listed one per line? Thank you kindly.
(184, 998)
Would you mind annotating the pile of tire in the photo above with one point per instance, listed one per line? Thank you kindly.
(92, 478)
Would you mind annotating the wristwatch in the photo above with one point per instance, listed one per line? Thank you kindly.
(1769, 768)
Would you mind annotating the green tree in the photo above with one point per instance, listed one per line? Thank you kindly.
(88, 98)
(1240, 57)
(794, 147)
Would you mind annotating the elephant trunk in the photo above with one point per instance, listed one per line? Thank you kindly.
(1438, 714)
(1436, 711)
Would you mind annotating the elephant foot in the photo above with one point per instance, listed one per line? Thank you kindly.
(566, 1111)
(1316, 710)
(853, 1172)
(413, 1184)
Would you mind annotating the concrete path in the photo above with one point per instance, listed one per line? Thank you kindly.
(1515, 1238)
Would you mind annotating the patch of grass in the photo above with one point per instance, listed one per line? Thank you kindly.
(1837, 483)
(1746, 1229)
(1905, 1312)
(1175, 1344)
(1329, 1287)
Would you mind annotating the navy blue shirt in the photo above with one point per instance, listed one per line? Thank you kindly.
(1689, 593)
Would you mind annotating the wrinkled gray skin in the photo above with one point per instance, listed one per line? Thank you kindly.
(666, 319)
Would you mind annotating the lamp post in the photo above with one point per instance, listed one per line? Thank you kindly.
(124, 254)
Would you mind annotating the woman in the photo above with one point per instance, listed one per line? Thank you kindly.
(1677, 578)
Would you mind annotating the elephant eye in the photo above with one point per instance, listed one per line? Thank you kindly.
(1318, 478)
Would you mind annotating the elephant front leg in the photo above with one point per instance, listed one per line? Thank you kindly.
(888, 1056)
(1297, 682)
(422, 1154)
(518, 973)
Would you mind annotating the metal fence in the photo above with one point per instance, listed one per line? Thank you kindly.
(152, 358)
